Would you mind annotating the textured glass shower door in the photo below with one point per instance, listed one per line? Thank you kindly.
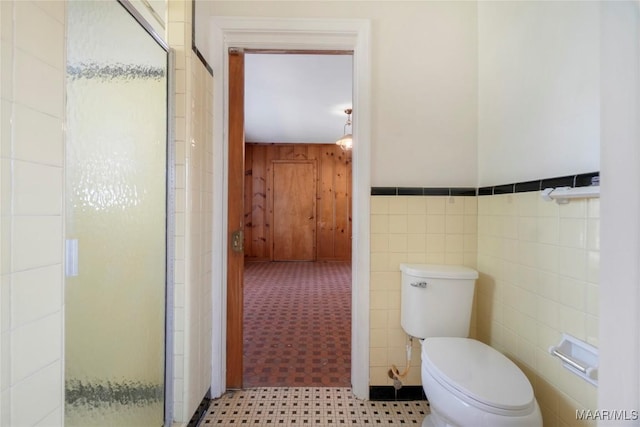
(116, 192)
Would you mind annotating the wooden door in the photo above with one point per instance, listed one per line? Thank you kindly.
(294, 211)
(235, 254)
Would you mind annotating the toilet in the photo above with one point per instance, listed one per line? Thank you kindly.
(468, 383)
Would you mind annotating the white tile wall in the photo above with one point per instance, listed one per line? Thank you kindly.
(176, 24)
(43, 143)
(31, 230)
(40, 37)
(43, 388)
(194, 202)
(34, 345)
(46, 284)
(31, 233)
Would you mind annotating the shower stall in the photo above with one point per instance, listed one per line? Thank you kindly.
(116, 264)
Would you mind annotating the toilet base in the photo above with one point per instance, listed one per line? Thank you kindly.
(427, 422)
(432, 420)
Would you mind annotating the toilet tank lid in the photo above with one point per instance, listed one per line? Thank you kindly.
(439, 271)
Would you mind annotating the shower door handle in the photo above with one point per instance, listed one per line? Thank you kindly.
(237, 241)
(71, 258)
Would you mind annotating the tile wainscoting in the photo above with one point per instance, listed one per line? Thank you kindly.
(538, 264)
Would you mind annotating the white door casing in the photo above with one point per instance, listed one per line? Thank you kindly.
(296, 34)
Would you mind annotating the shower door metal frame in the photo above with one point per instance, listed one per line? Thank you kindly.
(170, 214)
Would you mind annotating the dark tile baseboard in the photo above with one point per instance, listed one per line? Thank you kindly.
(201, 411)
(388, 393)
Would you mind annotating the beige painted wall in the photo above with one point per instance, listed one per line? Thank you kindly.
(424, 83)
(539, 90)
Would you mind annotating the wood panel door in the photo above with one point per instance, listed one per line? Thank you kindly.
(235, 214)
(294, 211)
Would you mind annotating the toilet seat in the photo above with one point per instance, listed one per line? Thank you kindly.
(478, 374)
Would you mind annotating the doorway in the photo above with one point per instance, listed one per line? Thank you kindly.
(300, 208)
(293, 33)
(297, 313)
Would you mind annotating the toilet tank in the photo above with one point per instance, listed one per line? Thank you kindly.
(436, 300)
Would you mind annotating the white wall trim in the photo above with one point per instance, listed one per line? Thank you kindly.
(619, 337)
(310, 34)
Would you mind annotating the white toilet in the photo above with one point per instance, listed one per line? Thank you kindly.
(468, 383)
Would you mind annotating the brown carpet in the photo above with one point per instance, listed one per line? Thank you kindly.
(297, 324)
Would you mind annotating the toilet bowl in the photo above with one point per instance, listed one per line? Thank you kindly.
(467, 383)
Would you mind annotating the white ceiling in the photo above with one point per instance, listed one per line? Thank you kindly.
(296, 98)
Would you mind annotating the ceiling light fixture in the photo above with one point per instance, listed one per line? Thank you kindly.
(346, 142)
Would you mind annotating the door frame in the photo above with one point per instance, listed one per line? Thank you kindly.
(295, 34)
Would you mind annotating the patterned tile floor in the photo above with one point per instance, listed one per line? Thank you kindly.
(297, 324)
(313, 406)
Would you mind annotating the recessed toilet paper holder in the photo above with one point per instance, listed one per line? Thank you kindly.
(578, 357)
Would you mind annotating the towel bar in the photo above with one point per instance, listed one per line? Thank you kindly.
(562, 195)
